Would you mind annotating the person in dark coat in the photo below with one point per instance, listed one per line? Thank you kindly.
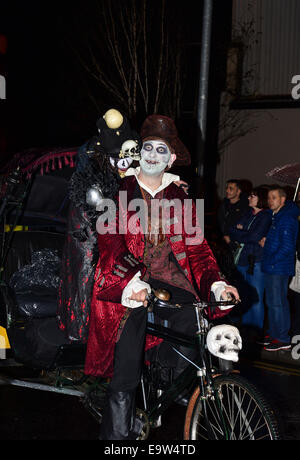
(295, 328)
(278, 265)
(99, 163)
(232, 208)
(251, 228)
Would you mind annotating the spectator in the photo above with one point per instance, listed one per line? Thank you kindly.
(251, 228)
(278, 264)
(233, 207)
(295, 295)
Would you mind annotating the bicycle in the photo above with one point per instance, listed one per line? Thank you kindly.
(222, 406)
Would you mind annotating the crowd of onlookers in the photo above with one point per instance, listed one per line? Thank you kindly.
(260, 230)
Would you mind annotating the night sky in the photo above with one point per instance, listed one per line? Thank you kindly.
(44, 95)
(48, 101)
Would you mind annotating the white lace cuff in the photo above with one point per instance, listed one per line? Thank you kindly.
(136, 285)
(217, 288)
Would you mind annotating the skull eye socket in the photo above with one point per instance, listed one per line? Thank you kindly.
(228, 337)
(218, 337)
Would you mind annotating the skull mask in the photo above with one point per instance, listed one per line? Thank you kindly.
(130, 148)
(225, 342)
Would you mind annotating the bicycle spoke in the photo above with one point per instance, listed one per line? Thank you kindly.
(216, 416)
(248, 422)
(215, 428)
(233, 413)
(230, 415)
(257, 430)
(242, 415)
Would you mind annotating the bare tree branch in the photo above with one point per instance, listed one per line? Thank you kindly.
(119, 57)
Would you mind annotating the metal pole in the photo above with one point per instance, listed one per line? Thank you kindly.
(203, 83)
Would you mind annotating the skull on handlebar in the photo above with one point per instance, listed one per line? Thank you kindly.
(224, 341)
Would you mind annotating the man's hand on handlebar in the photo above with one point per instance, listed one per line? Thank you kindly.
(140, 296)
(230, 292)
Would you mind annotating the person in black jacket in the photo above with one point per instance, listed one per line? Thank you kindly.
(233, 207)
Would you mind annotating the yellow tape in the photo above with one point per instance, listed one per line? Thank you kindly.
(4, 343)
(18, 228)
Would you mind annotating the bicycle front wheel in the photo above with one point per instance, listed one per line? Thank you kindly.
(237, 412)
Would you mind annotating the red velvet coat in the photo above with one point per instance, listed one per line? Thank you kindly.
(121, 257)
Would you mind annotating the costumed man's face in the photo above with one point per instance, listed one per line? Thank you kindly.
(155, 157)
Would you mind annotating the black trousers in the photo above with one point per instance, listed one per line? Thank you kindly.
(129, 350)
(119, 421)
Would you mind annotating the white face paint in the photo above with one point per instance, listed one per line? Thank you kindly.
(155, 156)
(122, 164)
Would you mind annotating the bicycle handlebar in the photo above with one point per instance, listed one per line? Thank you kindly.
(160, 298)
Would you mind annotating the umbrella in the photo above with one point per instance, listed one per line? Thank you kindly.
(289, 174)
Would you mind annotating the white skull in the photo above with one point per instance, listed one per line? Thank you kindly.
(122, 164)
(225, 342)
(130, 149)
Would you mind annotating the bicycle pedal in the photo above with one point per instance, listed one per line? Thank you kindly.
(182, 400)
(157, 423)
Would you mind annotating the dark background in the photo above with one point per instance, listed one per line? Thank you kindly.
(48, 101)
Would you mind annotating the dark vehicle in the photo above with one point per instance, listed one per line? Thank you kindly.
(33, 219)
(34, 209)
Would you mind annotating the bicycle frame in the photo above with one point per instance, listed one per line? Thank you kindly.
(200, 372)
(186, 378)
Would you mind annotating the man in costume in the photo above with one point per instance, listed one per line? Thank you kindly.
(99, 164)
(132, 261)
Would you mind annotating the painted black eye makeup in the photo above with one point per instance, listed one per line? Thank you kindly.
(162, 149)
(148, 147)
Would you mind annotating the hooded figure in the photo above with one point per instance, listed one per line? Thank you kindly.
(100, 162)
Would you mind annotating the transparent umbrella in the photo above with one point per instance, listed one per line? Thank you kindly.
(288, 174)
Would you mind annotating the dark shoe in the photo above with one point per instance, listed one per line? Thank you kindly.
(276, 345)
(266, 340)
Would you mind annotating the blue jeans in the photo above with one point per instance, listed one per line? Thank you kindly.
(278, 306)
(252, 295)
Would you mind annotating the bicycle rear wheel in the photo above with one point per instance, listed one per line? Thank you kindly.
(240, 412)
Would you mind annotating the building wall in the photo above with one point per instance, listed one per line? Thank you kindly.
(274, 52)
(276, 142)
(274, 57)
